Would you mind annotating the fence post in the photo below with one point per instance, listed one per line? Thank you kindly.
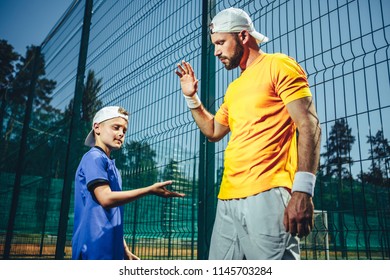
(74, 128)
(22, 151)
(207, 149)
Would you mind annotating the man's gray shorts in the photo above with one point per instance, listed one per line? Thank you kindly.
(252, 228)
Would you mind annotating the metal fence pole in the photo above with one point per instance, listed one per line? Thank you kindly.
(74, 127)
(207, 149)
(22, 151)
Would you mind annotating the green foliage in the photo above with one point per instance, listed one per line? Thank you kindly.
(25, 73)
(29, 68)
(7, 60)
(338, 148)
(90, 103)
(89, 106)
(136, 160)
(180, 182)
(379, 169)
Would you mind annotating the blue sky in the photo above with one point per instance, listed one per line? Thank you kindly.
(26, 22)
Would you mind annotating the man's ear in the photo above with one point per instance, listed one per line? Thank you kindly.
(244, 36)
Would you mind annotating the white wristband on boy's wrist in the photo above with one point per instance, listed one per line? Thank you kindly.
(304, 182)
(193, 102)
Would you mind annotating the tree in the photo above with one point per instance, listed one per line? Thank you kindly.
(338, 148)
(171, 171)
(136, 161)
(23, 77)
(90, 104)
(7, 60)
(180, 183)
(31, 67)
(380, 158)
(168, 213)
(174, 210)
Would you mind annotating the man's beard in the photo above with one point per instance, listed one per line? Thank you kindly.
(234, 61)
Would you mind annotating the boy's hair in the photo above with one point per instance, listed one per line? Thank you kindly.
(123, 111)
(102, 115)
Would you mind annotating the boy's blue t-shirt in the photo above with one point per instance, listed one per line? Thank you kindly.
(97, 232)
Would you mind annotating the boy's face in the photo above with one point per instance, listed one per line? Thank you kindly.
(110, 134)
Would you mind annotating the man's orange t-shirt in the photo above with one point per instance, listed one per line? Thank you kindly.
(262, 150)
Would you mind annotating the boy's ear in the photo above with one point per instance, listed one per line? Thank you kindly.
(96, 128)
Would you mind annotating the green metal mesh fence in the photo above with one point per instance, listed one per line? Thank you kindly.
(133, 49)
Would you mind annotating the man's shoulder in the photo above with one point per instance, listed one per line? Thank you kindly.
(279, 57)
(284, 62)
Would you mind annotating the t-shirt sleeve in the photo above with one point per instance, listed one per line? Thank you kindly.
(290, 79)
(95, 170)
(222, 115)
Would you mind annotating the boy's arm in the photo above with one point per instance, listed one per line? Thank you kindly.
(108, 198)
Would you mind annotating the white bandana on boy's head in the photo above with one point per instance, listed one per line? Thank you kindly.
(102, 115)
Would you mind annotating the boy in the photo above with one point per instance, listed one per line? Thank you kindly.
(99, 199)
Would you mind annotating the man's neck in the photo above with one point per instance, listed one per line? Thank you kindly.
(253, 54)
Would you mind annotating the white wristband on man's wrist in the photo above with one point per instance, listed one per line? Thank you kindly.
(304, 182)
(193, 102)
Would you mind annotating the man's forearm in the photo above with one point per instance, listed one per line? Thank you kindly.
(204, 120)
(309, 141)
(308, 158)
